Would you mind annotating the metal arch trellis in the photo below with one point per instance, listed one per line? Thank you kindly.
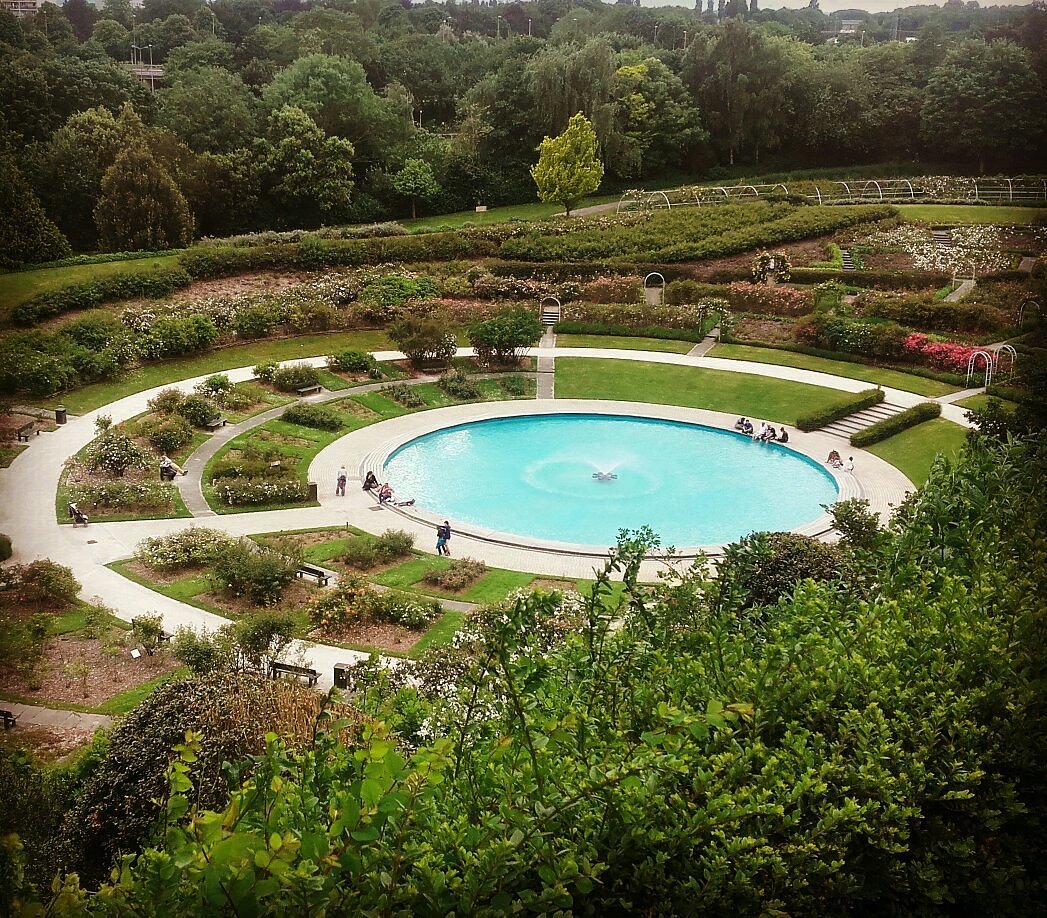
(1028, 301)
(1010, 352)
(972, 365)
(655, 291)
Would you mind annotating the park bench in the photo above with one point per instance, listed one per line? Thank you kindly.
(287, 669)
(10, 719)
(25, 430)
(308, 570)
(215, 423)
(310, 390)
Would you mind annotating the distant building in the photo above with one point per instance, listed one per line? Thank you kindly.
(22, 8)
(850, 26)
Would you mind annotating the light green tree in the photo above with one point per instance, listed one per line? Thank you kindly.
(416, 180)
(568, 168)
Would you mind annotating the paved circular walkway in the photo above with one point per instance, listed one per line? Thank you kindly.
(27, 495)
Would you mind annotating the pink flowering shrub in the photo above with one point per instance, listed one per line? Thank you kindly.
(782, 301)
(943, 355)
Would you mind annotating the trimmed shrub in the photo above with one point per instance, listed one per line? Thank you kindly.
(167, 401)
(461, 573)
(315, 416)
(174, 336)
(170, 435)
(888, 427)
(114, 452)
(256, 571)
(502, 338)
(42, 581)
(252, 492)
(403, 395)
(424, 339)
(355, 362)
(360, 554)
(840, 409)
(197, 410)
(457, 385)
(266, 370)
(622, 331)
(872, 278)
(123, 495)
(393, 544)
(5, 546)
(188, 548)
(294, 376)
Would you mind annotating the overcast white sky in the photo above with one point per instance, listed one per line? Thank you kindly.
(828, 6)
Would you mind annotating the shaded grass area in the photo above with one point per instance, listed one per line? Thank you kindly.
(498, 215)
(692, 387)
(895, 379)
(20, 286)
(980, 401)
(624, 343)
(913, 451)
(8, 454)
(165, 372)
(971, 213)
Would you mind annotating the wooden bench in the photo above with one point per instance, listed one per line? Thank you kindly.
(308, 570)
(286, 669)
(10, 719)
(215, 423)
(23, 432)
(310, 390)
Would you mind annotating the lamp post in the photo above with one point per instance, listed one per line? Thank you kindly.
(685, 39)
(528, 28)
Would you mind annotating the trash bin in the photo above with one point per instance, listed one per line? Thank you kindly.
(341, 675)
(60, 415)
(312, 490)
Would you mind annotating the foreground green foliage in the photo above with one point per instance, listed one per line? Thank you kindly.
(872, 743)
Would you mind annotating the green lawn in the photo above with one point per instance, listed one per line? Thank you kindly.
(980, 401)
(625, 343)
(498, 215)
(913, 451)
(896, 379)
(970, 213)
(734, 393)
(245, 355)
(8, 454)
(19, 286)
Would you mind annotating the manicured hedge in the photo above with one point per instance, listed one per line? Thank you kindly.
(93, 293)
(881, 430)
(621, 331)
(873, 278)
(840, 409)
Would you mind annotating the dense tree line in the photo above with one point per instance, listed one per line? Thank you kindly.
(290, 113)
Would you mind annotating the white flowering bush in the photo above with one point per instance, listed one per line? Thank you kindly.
(188, 548)
(251, 492)
(123, 495)
(974, 248)
(115, 452)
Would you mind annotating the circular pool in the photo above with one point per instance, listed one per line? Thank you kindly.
(579, 478)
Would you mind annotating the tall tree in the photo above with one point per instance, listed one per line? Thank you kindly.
(141, 208)
(984, 101)
(26, 234)
(307, 172)
(210, 109)
(568, 169)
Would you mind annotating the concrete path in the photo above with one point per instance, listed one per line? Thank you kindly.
(1027, 264)
(706, 344)
(546, 366)
(960, 396)
(27, 490)
(31, 714)
(960, 292)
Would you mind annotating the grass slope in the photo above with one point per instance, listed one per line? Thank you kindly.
(971, 213)
(895, 379)
(734, 393)
(20, 286)
(913, 451)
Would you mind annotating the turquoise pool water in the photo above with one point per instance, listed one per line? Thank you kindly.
(533, 476)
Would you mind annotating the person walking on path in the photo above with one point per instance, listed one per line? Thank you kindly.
(443, 536)
(343, 476)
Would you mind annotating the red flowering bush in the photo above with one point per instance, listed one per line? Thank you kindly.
(943, 355)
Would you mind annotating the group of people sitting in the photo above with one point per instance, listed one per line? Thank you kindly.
(766, 431)
(836, 462)
(384, 492)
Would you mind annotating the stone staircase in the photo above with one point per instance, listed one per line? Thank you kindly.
(550, 314)
(847, 259)
(943, 238)
(851, 424)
